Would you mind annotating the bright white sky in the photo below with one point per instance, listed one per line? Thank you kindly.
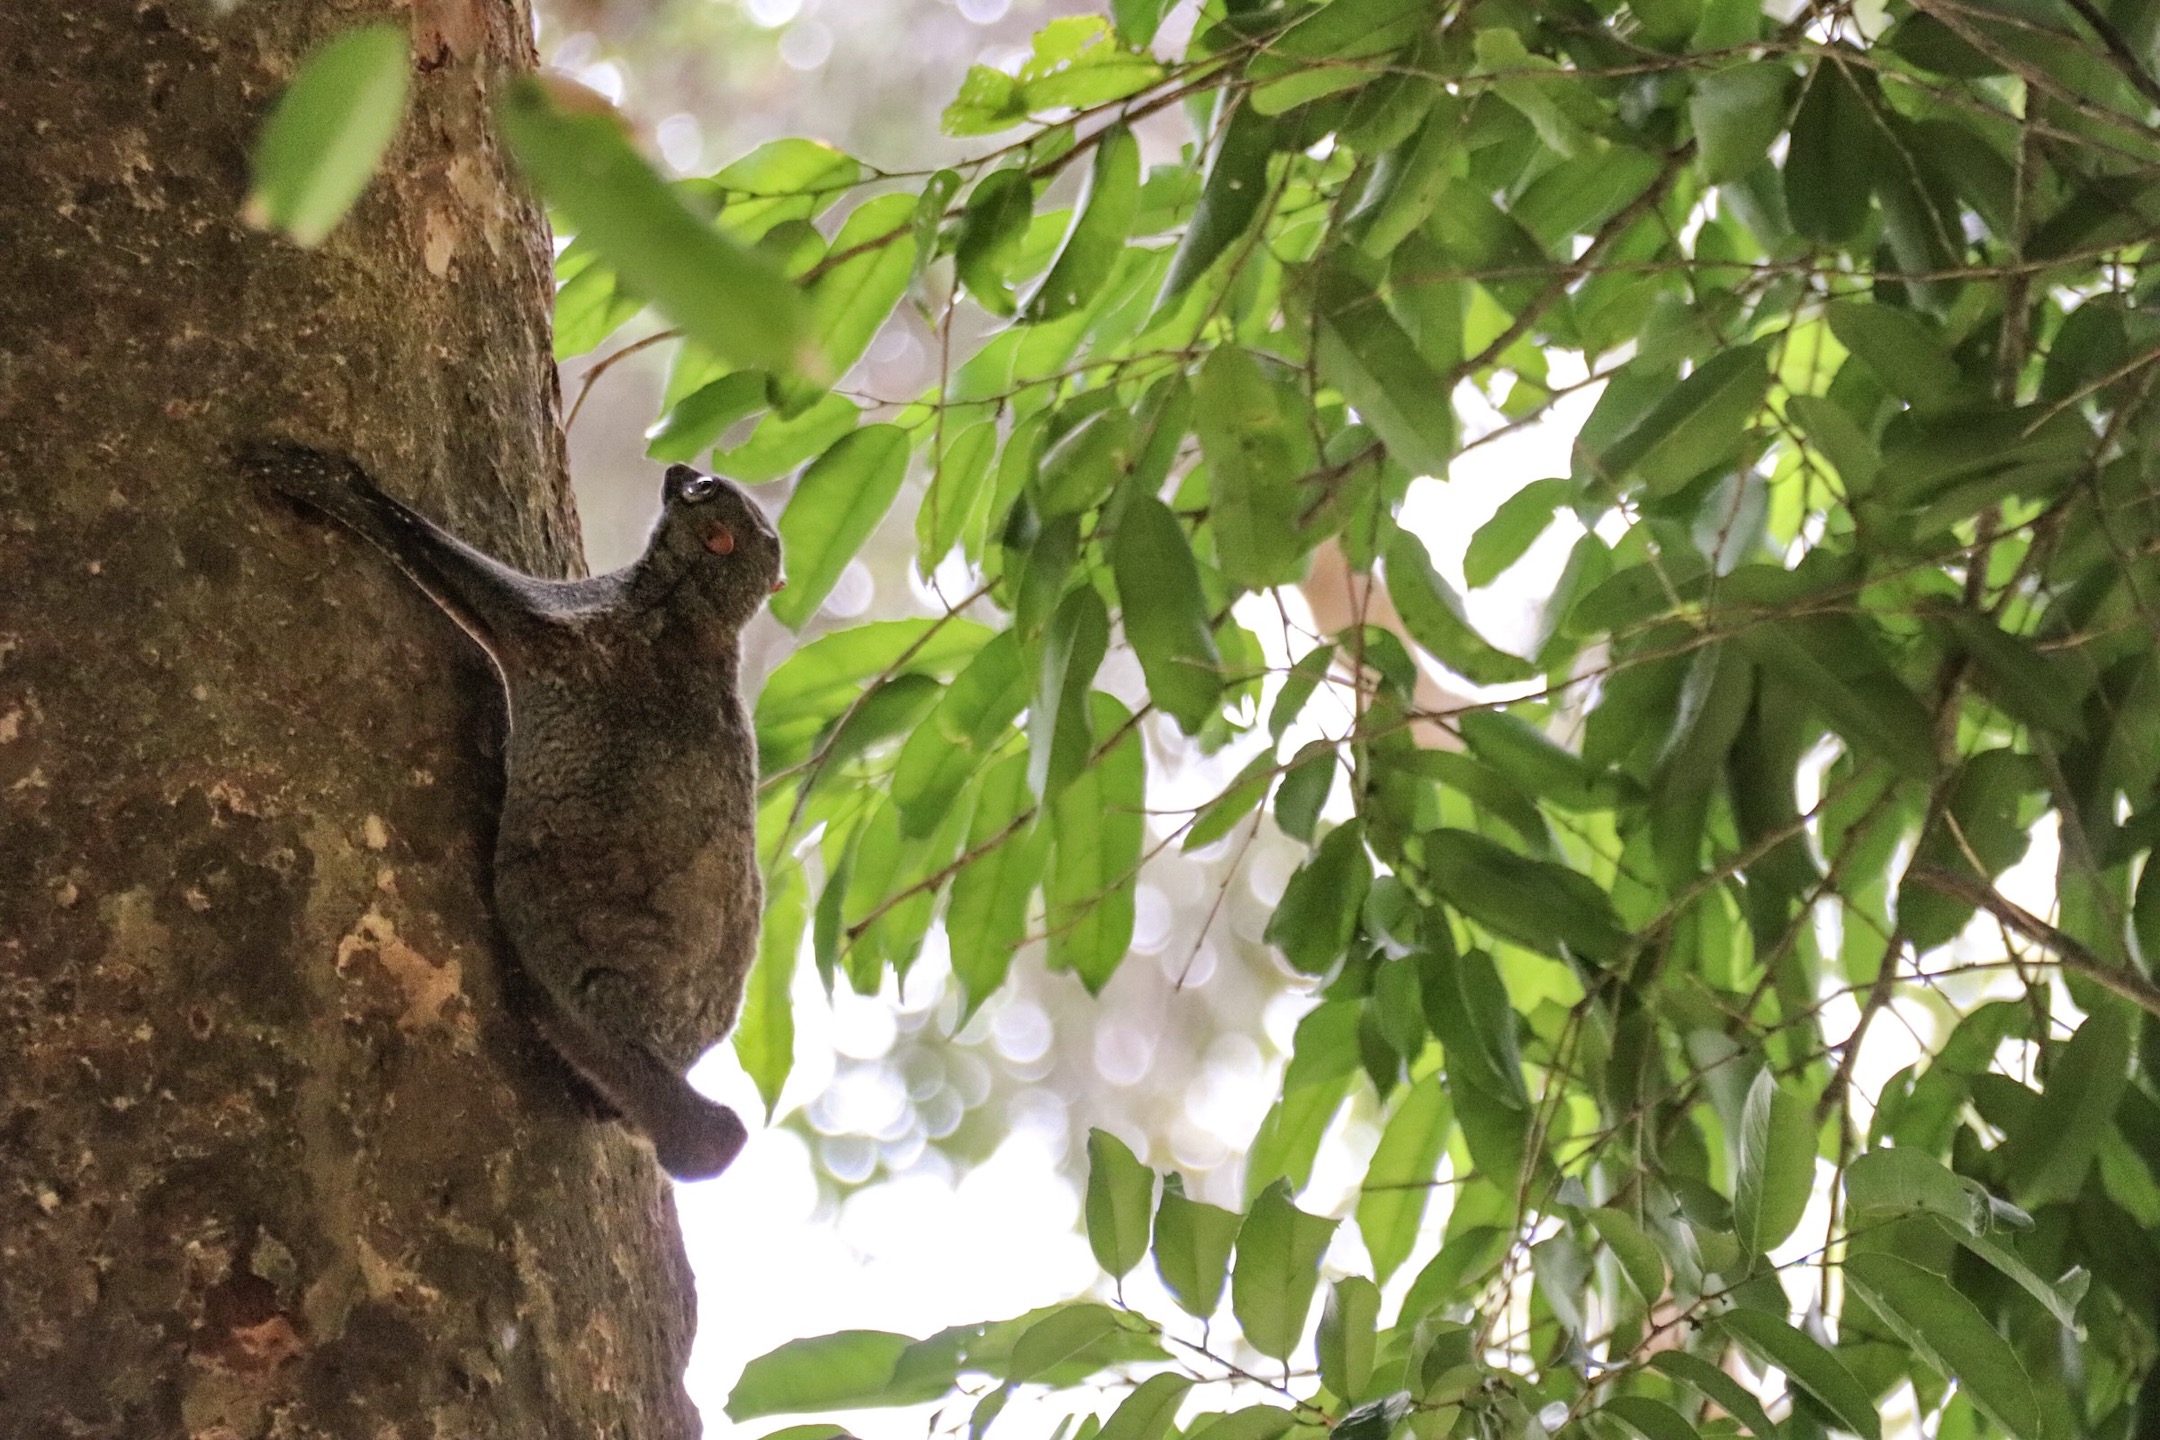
(932, 1248)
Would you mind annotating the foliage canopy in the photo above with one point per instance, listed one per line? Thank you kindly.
(1861, 604)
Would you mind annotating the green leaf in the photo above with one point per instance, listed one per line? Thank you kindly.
(1347, 1336)
(847, 1370)
(782, 180)
(1833, 664)
(837, 503)
(853, 295)
(698, 421)
(1254, 1422)
(955, 493)
(1237, 800)
(1632, 1246)
(1808, 1366)
(986, 916)
(781, 442)
(1192, 1248)
(1951, 1334)
(1099, 229)
(971, 719)
(1255, 457)
(1060, 724)
(1304, 789)
(1077, 62)
(733, 301)
(1120, 1195)
(1548, 907)
(2047, 1156)
(1909, 1181)
(1399, 1182)
(989, 101)
(1905, 351)
(1528, 756)
(1736, 113)
(1096, 829)
(1653, 1419)
(1513, 528)
(1311, 58)
(1304, 677)
(1165, 614)
(992, 227)
(1830, 162)
(1364, 353)
(1084, 466)
(1278, 1268)
(1230, 198)
(1318, 912)
(1776, 1168)
(1065, 1332)
(1719, 1388)
(2031, 687)
(1137, 20)
(764, 1036)
(1433, 614)
(1147, 1412)
(816, 684)
(320, 146)
(1698, 424)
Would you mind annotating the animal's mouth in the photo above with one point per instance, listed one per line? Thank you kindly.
(779, 585)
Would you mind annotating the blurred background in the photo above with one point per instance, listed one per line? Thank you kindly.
(920, 1173)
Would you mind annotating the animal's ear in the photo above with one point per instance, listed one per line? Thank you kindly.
(677, 477)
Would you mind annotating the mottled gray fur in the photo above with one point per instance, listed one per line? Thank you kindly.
(626, 869)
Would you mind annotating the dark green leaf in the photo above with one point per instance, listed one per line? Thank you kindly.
(1067, 1331)
(1060, 724)
(2047, 1156)
(1433, 614)
(1777, 1165)
(1503, 540)
(1546, 907)
(1099, 229)
(1229, 199)
(991, 230)
(1736, 113)
(1951, 1334)
(1830, 165)
(1364, 353)
(1719, 1388)
(1255, 456)
(1807, 1365)
(1318, 912)
(1698, 424)
(1653, 1419)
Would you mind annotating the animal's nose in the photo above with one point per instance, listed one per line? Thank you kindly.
(779, 585)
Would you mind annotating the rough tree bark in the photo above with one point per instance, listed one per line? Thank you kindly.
(276, 1158)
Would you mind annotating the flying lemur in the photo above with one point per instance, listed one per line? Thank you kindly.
(626, 870)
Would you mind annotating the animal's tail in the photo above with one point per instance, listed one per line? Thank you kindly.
(695, 1138)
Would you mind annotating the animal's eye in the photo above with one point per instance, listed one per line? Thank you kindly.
(699, 487)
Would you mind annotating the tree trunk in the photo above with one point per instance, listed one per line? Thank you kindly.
(275, 1157)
